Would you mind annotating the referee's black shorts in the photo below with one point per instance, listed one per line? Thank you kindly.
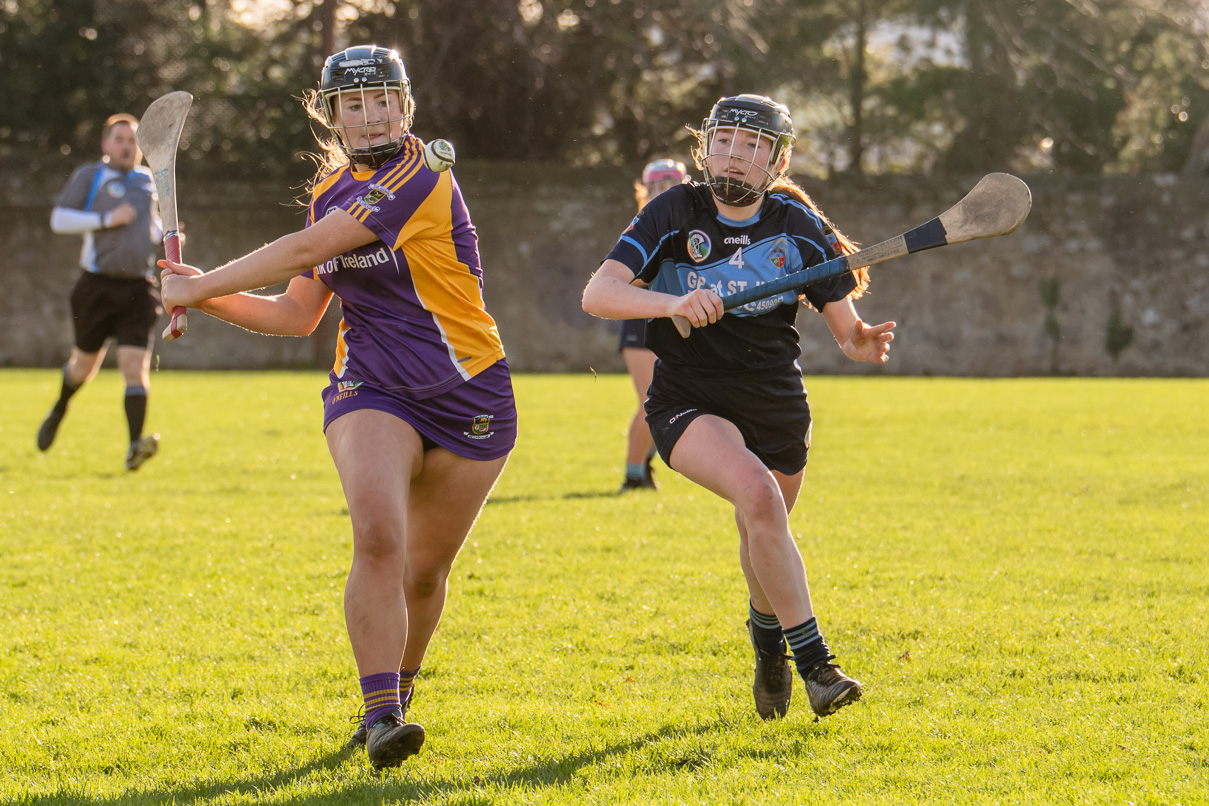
(104, 307)
(771, 413)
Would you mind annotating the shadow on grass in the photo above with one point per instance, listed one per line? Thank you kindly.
(523, 499)
(198, 792)
(400, 784)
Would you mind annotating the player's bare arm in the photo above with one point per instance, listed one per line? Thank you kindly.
(613, 294)
(296, 312)
(859, 341)
(282, 260)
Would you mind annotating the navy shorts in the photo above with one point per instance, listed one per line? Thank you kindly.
(117, 307)
(475, 419)
(772, 414)
(633, 334)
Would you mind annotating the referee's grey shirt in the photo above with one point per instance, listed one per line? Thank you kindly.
(93, 191)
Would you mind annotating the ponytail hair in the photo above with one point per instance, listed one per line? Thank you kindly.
(787, 187)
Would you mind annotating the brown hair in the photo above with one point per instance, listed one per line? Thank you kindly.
(114, 120)
(332, 154)
(787, 187)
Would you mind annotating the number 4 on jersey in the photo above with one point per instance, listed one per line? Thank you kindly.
(736, 259)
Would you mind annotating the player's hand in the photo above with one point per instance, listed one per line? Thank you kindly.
(701, 307)
(870, 343)
(175, 288)
(121, 215)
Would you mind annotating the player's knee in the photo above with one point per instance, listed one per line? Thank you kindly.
(424, 582)
(378, 543)
(759, 502)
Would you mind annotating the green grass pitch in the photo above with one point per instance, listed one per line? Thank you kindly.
(1018, 571)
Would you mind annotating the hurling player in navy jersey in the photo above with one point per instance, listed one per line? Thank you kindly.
(657, 177)
(727, 406)
(418, 410)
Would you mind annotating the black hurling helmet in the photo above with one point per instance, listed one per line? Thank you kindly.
(361, 69)
(754, 113)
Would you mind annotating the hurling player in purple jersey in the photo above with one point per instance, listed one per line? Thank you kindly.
(727, 407)
(657, 177)
(419, 414)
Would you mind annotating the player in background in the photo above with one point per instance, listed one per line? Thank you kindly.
(657, 177)
(727, 406)
(112, 203)
(418, 412)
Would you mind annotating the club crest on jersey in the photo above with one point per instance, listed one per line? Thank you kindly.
(698, 245)
(779, 254)
(480, 427)
(833, 241)
(376, 194)
(116, 189)
(632, 223)
(346, 385)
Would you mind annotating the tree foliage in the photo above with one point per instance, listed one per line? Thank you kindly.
(875, 85)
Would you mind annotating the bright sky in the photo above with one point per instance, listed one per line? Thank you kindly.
(256, 13)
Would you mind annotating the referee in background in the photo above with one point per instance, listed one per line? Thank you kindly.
(112, 204)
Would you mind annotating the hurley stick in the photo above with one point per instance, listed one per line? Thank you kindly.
(997, 205)
(159, 133)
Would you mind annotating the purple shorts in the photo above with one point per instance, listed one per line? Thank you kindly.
(475, 420)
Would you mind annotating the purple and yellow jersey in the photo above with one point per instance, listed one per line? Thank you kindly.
(411, 302)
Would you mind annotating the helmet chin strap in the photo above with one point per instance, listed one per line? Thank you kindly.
(744, 202)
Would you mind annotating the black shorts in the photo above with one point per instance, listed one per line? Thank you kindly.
(772, 414)
(633, 334)
(104, 307)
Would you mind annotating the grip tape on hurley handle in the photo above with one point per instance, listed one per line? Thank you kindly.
(180, 322)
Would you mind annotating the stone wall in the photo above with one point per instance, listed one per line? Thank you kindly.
(1107, 277)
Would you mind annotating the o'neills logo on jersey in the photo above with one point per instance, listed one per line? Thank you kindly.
(742, 240)
(379, 258)
(698, 245)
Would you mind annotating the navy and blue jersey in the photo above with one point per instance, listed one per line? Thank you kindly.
(680, 242)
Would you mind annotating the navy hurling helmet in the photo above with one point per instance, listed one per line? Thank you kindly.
(755, 113)
(361, 69)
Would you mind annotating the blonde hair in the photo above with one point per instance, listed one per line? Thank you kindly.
(787, 187)
(640, 195)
